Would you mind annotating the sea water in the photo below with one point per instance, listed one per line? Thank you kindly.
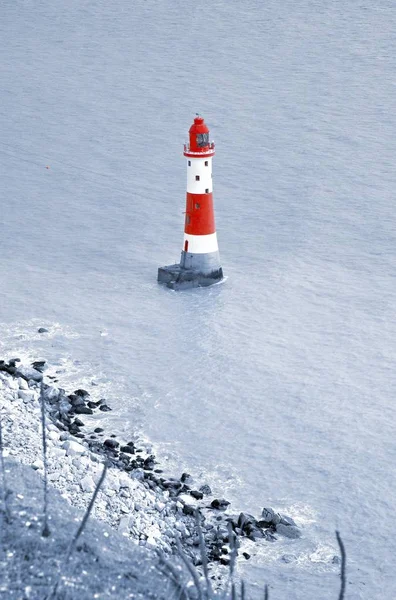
(277, 386)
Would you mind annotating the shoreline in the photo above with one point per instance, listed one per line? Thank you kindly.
(137, 499)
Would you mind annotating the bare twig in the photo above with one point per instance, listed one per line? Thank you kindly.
(79, 531)
(7, 513)
(266, 593)
(343, 565)
(243, 590)
(204, 557)
(46, 530)
(173, 574)
(190, 568)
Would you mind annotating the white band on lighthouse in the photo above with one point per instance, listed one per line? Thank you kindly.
(199, 176)
(201, 244)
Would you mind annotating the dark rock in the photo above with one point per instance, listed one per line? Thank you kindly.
(127, 449)
(42, 330)
(98, 429)
(197, 495)
(39, 365)
(92, 405)
(81, 393)
(82, 410)
(188, 510)
(131, 444)
(270, 516)
(245, 520)
(76, 400)
(149, 462)
(104, 408)
(171, 483)
(246, 555)
(13, 361)
(219, 504)
(111, 443)
(224, 560)
(254, 533)
(185, 477)
(205, 489)
(264, 524)
(124, 457)
(78, 422)
(79, 435)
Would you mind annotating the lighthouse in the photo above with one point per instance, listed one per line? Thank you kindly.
(200, 261)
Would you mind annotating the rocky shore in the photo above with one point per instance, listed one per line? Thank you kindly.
(137, 498)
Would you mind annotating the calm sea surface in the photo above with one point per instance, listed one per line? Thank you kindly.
(277, 386)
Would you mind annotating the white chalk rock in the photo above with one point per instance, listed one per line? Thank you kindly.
(123, 526)
(53, 476)
(53, 435)
(87, 484)
(26, 395)
(74, 448)
(57, 452)
(22, 383)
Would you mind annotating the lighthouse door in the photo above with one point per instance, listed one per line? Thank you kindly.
(186, 246)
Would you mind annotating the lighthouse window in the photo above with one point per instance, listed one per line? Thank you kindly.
(206, 190)
(202, 139)
(197, 205)
(189, 163)
(188, 220)
(206, 163)
(196, 177)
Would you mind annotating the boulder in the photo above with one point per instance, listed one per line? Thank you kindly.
(29, 373)
(109, 443)
(219, 504)
(74, 448)
(269, 517)
(82, 410)
(290, 531)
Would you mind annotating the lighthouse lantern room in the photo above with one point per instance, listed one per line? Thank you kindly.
(200, 261)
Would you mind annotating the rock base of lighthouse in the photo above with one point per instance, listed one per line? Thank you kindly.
(177, 277)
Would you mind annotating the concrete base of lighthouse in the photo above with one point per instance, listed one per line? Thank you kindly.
(194, 270)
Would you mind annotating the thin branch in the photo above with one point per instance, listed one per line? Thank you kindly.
(7, 513)
(243, 597)
(46, 530)
(173, 575)
(79, 531)
(266, 593)
(343, 565)
(204, 557)
(190, 568)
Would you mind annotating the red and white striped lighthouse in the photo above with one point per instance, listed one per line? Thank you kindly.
(200, 261)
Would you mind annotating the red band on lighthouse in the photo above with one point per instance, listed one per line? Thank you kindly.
(199, 214)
